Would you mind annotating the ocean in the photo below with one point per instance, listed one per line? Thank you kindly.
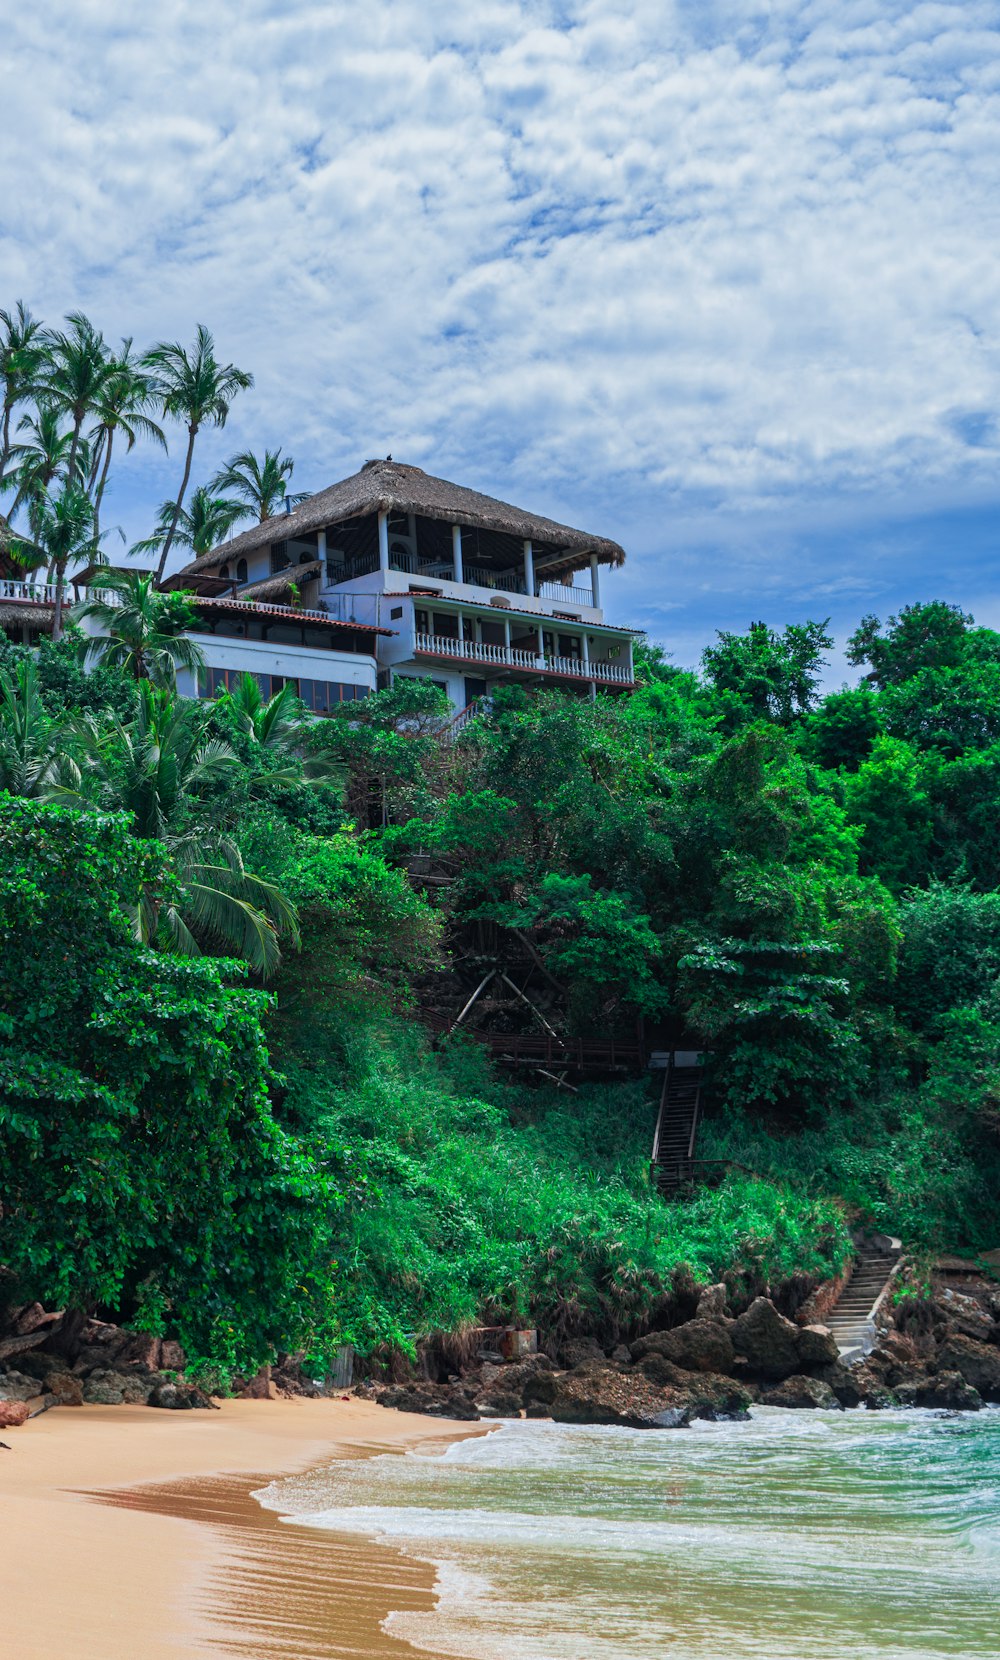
(795, 1536)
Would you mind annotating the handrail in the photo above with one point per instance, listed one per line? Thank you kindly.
(480, 651)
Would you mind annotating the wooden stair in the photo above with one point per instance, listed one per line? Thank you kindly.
(852, 1319)
(672, 1164)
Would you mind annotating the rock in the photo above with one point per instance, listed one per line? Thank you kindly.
(715, 1398)
(817, 1347)
(13, 1414)
(713, 1304)
(67, 1389)
(697, 1346)
(434, 1400)
(18, 1386)
(538, 1393)
(768, 1342)
(978, 1363)
(596, 1395)
(966, 1314)
(947, 1390)
(500, 1404)
(872, 1389)
(259, 1388)
(172, 1356)
(842, 1380)
(578, 1349)
(800, 1391)
(620, 1355)
(105, 1388)
(180, 1397)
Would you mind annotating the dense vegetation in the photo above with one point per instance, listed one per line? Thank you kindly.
(804, 884)
(241, 1096)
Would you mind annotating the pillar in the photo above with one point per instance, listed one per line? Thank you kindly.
(541, 643)
(529, 570)
(456, 552)
(595, 581)
(506, 633)
(383, 541)
(321, 552)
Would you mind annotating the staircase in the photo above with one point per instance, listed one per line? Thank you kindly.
(672, 1164)
(852, 1319)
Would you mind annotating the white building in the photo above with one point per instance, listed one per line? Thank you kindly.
(393, 572)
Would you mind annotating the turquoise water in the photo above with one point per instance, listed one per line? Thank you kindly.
(796, 1536)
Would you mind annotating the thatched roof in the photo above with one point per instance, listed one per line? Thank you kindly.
(274, 586)
(32, 616)
(391, 487)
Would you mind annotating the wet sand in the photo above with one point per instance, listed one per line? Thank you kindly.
(127, 1531)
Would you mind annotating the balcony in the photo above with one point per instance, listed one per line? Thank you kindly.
(31, 593)
(473, 576)
(511, 657)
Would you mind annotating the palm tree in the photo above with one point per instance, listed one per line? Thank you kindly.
(36, 758)
(262, 485)
(276, 725)
(157, 767)
(198, 527)
(143, 630)
(63, 527)
(23, 345)
(75, 376)
(122, 406)
(195, 388)
(44, 454)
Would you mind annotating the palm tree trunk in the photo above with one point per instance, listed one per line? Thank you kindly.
(60, 585)
(71, 467)
(5, 441)
(192, 435)
(100, 492)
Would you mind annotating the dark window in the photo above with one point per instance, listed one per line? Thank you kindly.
(223, 571)
(279, 557)
(421, 622)
(569, 646)
(214, 681)
(241, 570)
(397, 611)
(323, 695)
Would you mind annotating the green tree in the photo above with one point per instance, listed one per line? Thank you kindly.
(195, 388)
(888, 799)
(143, 630)
(23, 347)
(841, 730)
(764, 675)
(261, 485)
(74, 377)
(930, 635)
(40, 458)
(199, 527)
(36, 750)
(121, 409)
(63, 528)
(143, 1167)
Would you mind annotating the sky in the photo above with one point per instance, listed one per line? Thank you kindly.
(715, 278)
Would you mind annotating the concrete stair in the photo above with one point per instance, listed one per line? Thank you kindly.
(852, 1317)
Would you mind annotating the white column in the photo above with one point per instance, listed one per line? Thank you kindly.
(595, 581)
(321, 553)
(585, 650)
(529, 570)
(506, 636)
(383, 541)
(541, 645)
(456, 552)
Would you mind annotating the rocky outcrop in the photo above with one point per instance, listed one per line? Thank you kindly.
(978, 1363)
(801, 1391)
(699, 1345)
(13, 1414)
(775, 1348)
(597, 1394)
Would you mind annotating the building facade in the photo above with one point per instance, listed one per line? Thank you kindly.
(446, 584)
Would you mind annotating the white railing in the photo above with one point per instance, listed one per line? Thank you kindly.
(476, 651)
(563, 591)
(30, 593)
(505, 582)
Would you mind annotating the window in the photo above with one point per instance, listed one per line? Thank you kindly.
(323, 695)
(421, 621)
(223, 572)
(214, 681)
(241, 570)
(395, 613)
(569, 646)
(280, 560)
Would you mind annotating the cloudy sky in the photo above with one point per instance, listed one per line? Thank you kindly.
(717, 278)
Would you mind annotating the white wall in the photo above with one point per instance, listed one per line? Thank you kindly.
(291, 662)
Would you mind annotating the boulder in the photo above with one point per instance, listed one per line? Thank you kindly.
(966, 1314)
(434, 1400)
(67, 1389)
(768, 1342)
(843, 1381)
(106, 1388)
(18, 1386)
(13, 1414)
(697, 1346)
(817, 1347)
(180, 1397)
(800, 1391)
(872, 1389)
(172, 1356)
(715, 1398)
(978, 1363)
(499, 1404)
(713, 1304)
(259, 1388)
(596, 1395)
(576, 1350)
(947, 1390)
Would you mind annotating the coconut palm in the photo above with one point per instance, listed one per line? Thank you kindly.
(195, 388)
(63, 528)
(277, 726)
(122, 408)
(41, 457)
(23, 345)
(262, 485)
(36, 751)
(158, 767)
(143, 630)
(74, 378)
(198, 527)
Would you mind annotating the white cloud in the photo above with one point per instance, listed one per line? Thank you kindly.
(650, 266)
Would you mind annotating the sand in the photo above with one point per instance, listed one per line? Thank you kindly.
(129, 1532)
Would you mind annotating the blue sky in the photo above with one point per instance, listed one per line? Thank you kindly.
(717, 279)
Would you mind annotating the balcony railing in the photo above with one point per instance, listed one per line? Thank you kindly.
(512, 657)
(32, 593)
(563, 591)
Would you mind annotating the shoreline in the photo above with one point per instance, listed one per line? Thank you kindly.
(204, 1569)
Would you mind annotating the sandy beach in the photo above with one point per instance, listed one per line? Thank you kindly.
(128, 1531)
